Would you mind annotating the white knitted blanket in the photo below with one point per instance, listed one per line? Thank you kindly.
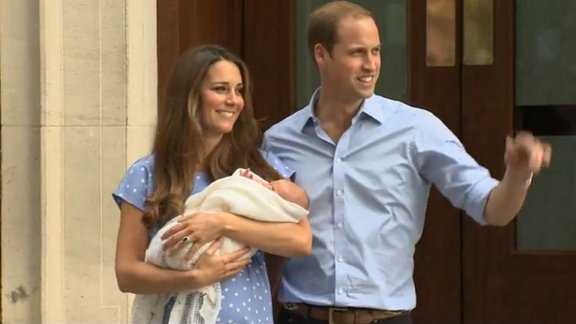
(234, 194)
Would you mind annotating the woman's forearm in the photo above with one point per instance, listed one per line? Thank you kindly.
(145, 278)
(283, 239)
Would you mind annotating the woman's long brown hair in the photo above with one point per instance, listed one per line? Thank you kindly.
(178, 144)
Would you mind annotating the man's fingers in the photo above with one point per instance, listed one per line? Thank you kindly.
(535, 159)
(547, 154)
(523, 137)
(527, 146)
(509, 142)
(518, 147)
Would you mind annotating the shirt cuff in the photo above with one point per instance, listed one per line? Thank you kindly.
(478, 199)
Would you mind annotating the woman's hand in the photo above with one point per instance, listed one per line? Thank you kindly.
(213, 268)
(134, 275)
(199, 228)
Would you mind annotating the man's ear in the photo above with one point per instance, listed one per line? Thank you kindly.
(320, 53)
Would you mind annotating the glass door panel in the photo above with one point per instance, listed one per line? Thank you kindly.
(391, 18)
(546, 105)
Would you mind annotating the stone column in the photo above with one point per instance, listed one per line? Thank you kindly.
(78, 106)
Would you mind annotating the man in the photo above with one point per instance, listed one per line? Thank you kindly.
(367, 164)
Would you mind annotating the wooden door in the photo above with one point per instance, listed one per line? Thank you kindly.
(525, 272)
(514, 69)
(434, 82)
(259, 31)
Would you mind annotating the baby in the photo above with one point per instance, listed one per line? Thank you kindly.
(243, 193)
(285, 188)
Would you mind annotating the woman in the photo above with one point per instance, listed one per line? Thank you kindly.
(205, 132)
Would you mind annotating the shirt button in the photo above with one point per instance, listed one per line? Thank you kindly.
(341, 291)
(340, 259)
(339, 192)
(339, 225)
(338, 160)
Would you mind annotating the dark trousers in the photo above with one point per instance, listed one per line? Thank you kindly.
(287, 317)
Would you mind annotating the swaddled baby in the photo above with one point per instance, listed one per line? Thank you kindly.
(243, 193)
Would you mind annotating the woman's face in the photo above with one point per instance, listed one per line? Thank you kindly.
(221, 98)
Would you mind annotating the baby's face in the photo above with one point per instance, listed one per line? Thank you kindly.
(275, 186)
(282, 187)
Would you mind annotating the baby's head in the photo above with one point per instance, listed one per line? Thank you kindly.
(284, 188)
(247, 173)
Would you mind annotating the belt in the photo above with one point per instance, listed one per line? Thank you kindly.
(341, 315)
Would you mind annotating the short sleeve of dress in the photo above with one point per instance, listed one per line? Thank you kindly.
(278, 165)
(137, 184)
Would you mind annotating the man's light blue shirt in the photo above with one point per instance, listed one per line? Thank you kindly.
(368, 195)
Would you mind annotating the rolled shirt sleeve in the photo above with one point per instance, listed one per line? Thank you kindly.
(444, 162)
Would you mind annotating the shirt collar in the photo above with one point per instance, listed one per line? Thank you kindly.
(369, 108)
(373, 109)
(309, 117)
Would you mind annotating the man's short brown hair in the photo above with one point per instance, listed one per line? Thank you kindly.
(323, 22)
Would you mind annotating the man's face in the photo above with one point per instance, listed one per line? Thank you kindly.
(351, 71)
